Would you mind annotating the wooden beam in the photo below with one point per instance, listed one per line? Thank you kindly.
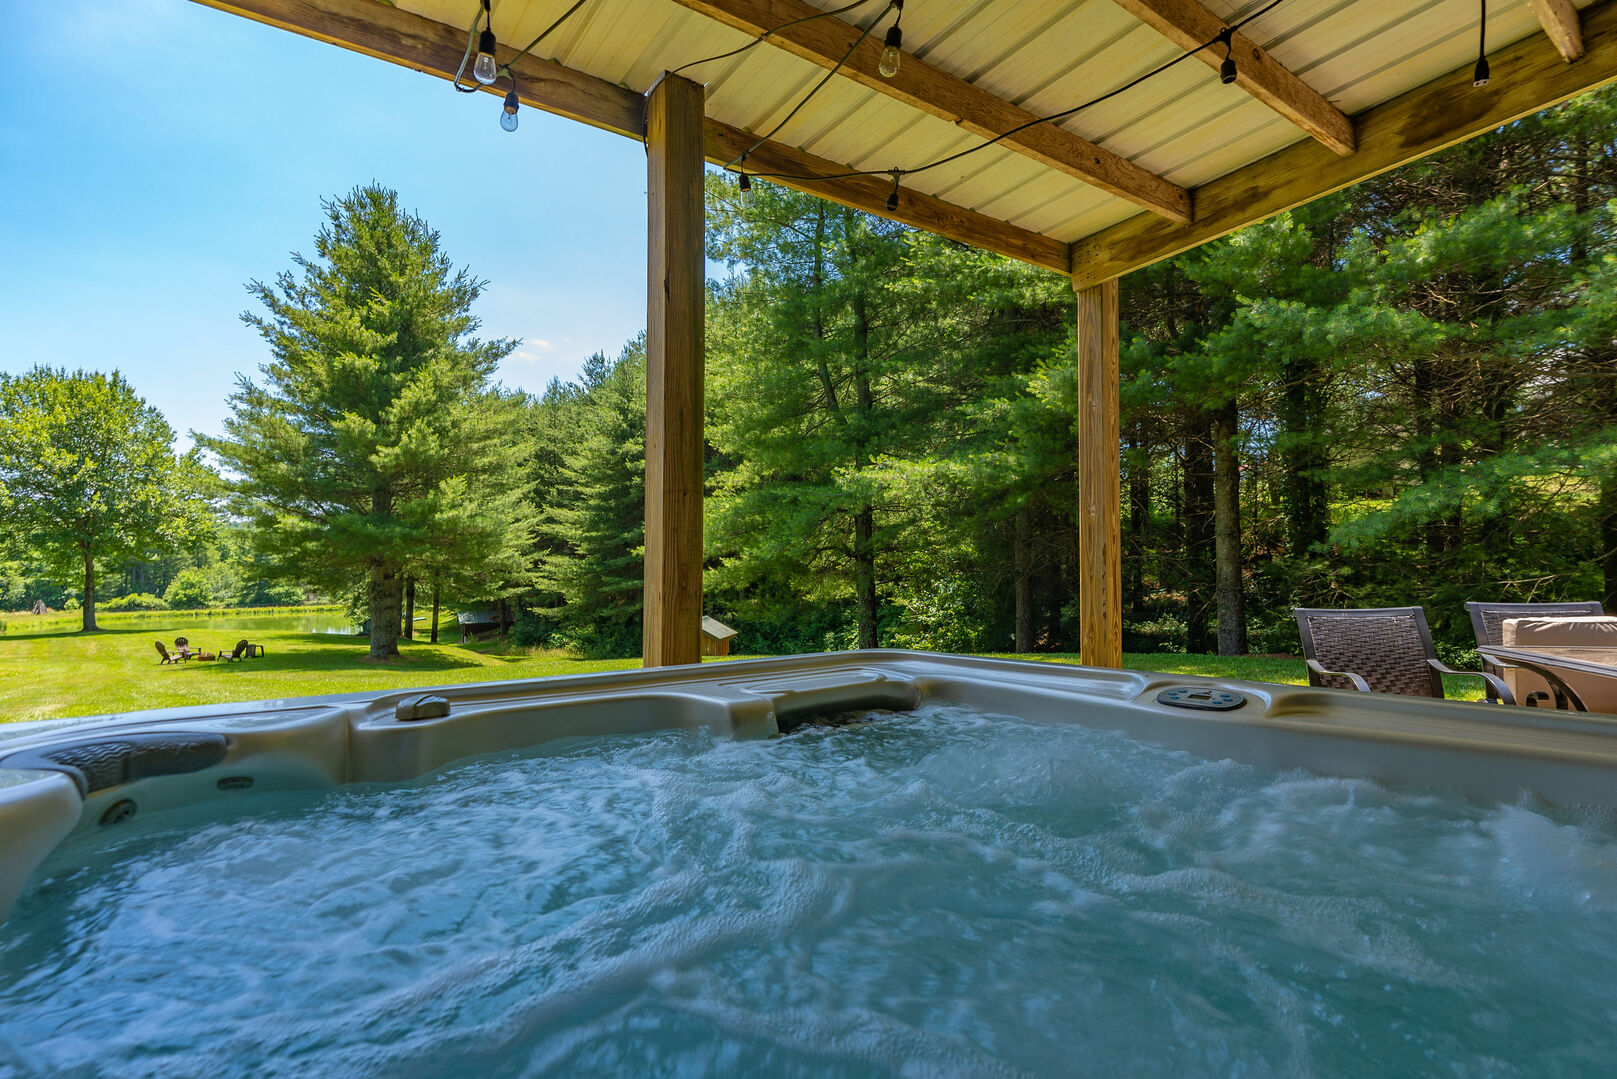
(1100, 521)
(1189, 25)
(1560, 21)
(676, 284)
(383, 31)
(869, 193)
(948, 97)
(1527, 77)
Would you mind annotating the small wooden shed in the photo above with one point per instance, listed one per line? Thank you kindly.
(715, 637)
(474, 622)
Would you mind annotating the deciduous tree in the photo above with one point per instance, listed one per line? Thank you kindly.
(88, 473)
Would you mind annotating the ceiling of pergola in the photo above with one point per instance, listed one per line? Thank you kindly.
(1043, 55)
(974, 67)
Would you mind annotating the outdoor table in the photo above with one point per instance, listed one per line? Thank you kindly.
(1552, 661)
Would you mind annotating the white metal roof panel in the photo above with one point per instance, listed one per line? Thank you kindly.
(1044, 55)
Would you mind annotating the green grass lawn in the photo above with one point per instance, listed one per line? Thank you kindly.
(49, 669)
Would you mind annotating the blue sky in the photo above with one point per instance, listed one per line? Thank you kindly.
(177, 152)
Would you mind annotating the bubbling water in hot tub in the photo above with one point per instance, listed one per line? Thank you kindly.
(941, 893)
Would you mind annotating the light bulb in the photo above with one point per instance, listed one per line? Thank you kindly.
(1226, 71)
(483, 70)
(1479, 76)
(892, 198)
(508, 117)
(891, 52)
(746, 189)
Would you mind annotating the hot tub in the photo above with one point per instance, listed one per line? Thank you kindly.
(647, 746)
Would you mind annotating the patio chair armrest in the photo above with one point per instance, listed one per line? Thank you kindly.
(1358, 683)
(1566, 699)
(1497, 684)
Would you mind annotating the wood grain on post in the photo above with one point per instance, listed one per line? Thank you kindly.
(1100, 517)
(674, 370)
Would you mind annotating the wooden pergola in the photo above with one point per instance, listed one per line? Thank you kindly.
(1326, 93)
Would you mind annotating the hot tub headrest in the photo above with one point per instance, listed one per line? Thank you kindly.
(108, 762)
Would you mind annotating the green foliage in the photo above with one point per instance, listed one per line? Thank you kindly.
(375, 447)
(190, 590)
(593, 525)
(87, 473)
(139, 601)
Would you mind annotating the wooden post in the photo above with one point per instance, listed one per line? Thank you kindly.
(1100, 519)
(674, 358)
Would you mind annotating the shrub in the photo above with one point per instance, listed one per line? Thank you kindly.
(135, 601)
(189, 590)
(259, 593)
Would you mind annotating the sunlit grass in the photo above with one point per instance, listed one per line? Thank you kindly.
(49, 669)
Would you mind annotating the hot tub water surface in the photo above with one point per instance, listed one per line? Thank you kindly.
(937, 893)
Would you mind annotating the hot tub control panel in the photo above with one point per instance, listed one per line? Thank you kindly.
(1205, 697)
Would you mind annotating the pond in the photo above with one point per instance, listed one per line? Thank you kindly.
(334, 621)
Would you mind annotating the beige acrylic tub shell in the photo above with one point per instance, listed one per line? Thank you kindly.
(1487, 752)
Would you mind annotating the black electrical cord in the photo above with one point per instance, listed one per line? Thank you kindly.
(543, 34)
(761, 38)
(1222, 35)
(471, 41)
(858, 41)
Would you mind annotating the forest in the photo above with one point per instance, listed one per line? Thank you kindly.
(1405, 393)
(1402, 394)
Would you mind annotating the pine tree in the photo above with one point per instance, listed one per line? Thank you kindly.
(593, 524)
(368, 448)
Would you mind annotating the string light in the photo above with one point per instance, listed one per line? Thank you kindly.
(484, 69)
(767, 34)
(829, 75)
(1479, 74)
(893, 46)
(1052, 118)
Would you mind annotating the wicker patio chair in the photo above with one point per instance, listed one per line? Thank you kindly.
(1487, 618)
(1380, 650)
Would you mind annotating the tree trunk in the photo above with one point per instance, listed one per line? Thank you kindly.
(1023, 554)
(1306, 498)
(1198, 530)
(89, 593)
(864, 521)
(409, 608)
(1608, 540)
(1227, 533)
(864, 575)
(385, 601)
(435, 611)
(1139, 475)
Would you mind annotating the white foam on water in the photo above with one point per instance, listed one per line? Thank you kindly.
(941, 893)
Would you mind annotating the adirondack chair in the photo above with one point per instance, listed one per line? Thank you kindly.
(241, 651)
(165, 656)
